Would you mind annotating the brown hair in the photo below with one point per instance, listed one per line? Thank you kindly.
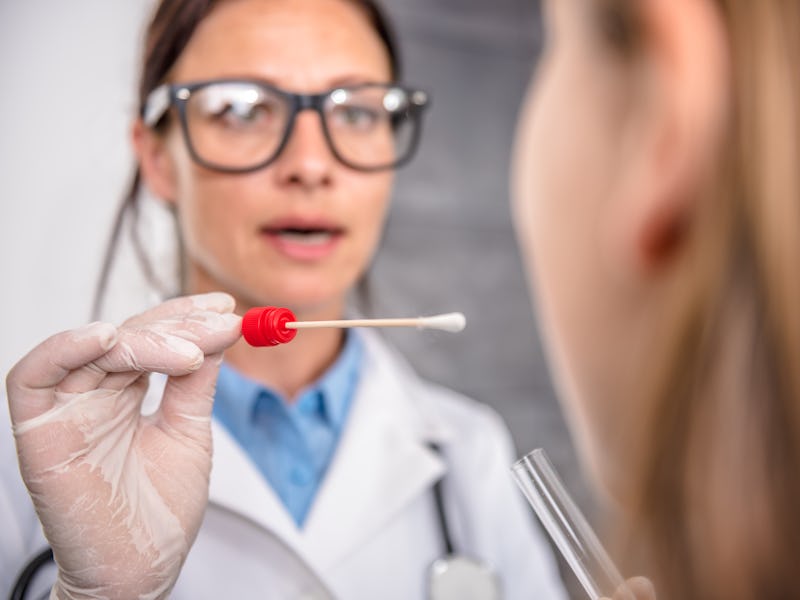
(717, 489)
(171, 27)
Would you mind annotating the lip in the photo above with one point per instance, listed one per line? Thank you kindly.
(303, 239)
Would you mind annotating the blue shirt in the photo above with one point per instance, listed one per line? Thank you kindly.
(292, 444)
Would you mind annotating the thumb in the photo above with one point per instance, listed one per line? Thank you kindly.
(188, 399)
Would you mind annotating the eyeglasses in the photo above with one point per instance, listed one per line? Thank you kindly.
(241, 125)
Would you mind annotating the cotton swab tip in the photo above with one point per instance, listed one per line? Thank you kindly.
(452, 322)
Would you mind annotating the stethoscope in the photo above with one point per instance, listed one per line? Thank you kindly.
(27, 575)
(454, 576)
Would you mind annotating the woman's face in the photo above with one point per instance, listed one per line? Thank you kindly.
(240, 231)
(567, 160)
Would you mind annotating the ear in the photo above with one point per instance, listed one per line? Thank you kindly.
(683, 95)
(155, 161)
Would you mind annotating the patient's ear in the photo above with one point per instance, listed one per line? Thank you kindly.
(682, 95)
(155, 161)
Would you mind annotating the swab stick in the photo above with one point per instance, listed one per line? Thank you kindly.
(453, 322)
(272, 325)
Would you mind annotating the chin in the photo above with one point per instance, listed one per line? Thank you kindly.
(309, 299)
(608, 477)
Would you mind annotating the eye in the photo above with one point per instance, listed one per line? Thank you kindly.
(236, 106)
(244, 113)
(355, 116)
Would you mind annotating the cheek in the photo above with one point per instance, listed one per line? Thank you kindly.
(368, 206)
(215, 210)
(563, 174)
(556, 208)
(198, 199)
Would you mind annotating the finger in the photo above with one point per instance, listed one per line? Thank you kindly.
(218, 302)
(31, 382)
(136, 352)
(174, 346)
(212, 332)
(119, 381)
(187, 402)
(635, 588)
(642, 588)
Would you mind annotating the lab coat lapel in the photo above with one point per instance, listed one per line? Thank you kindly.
(237, 485)
(382, 463)
(235, 482)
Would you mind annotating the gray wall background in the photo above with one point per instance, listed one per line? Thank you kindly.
(450, 243)
(67, 97)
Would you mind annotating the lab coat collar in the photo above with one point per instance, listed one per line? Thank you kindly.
(238, 485)
(383, 462)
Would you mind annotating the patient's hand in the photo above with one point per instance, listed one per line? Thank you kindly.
(636, 588)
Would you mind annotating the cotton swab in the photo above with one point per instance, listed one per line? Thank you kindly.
(273, 325)
(453, 322)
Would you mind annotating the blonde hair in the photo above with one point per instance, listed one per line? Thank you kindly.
(717, 489)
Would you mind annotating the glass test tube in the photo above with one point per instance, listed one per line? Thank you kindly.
(566, 525)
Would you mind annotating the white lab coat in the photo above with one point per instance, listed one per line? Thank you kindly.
(373, 529)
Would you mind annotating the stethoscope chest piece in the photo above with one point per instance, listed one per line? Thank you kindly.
(456, 577)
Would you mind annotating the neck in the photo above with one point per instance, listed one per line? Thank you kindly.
(288, 368)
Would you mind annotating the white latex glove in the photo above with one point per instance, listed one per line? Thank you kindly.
(121, 496)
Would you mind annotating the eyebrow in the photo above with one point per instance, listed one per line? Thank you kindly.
(345, 79)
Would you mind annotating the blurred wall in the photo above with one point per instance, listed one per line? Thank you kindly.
(450, 243)
(67, 96)
(68, 72)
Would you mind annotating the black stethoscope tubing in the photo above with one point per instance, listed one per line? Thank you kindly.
(440, 510)
(25, 578)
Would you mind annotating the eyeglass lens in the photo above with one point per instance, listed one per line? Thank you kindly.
(240, 125)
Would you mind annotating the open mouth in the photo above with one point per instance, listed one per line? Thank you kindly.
(304, 241)
(310, 236)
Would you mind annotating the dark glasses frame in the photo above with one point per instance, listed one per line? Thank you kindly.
(167, 95)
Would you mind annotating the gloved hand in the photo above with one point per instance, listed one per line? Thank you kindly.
(121, 496)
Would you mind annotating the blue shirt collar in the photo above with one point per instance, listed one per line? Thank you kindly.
(337, 384)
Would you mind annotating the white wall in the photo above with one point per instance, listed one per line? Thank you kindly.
(67, 81)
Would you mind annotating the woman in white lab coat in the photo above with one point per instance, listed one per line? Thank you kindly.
(276, 205)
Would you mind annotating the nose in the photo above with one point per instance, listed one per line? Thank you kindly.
(306, 159)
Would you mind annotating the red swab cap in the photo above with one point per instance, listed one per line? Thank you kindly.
(266, 326)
